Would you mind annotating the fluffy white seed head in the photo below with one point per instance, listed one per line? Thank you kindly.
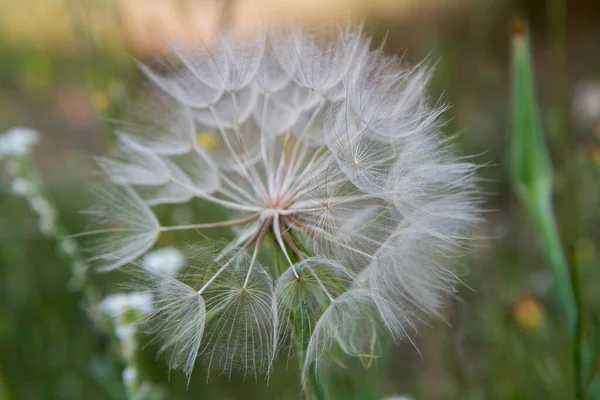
(328, 155)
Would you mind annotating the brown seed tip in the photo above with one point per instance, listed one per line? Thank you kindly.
(518, 27)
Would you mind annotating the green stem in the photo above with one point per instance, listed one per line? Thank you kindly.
(313, 387)
(578, 334)
(4, 392)
(540, 209)
(50, 226)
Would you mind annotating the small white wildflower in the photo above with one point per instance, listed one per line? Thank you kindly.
(116, 304)
(17, 142)
(167, 260)
(328, 155)
(46, 213)
(68, 245)
(125, 331)
(399, 397)
(586, 103)
(129, 375)
(21, 186)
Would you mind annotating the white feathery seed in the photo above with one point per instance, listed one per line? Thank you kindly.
(328, 157)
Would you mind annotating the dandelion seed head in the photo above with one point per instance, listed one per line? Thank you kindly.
(326, 154)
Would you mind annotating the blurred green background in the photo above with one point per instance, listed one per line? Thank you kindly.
(66, 70)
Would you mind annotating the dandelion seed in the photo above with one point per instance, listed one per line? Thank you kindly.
(127, 228)
(328, 156)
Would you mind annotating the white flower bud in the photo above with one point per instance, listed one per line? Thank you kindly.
(116, 304)
(21, 186)
(17, 142)
(129, 375)
(167, 260)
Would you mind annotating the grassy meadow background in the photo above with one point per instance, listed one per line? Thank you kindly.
(66, 70)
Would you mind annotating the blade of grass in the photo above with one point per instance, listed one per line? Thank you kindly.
(530, 165)
(578, 334)
(532, 178)
(49, 225)
(593, 361)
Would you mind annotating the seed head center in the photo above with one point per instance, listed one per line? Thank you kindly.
(276, 204)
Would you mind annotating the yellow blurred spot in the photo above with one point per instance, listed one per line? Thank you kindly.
(207, 140)
(100, 100)
(528, 312)
(589, 152)
(596, 155)
(586, 249)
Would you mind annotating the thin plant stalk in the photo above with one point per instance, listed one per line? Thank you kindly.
(532, 179)
(579, 324)
(531, 168)
(22, 169)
